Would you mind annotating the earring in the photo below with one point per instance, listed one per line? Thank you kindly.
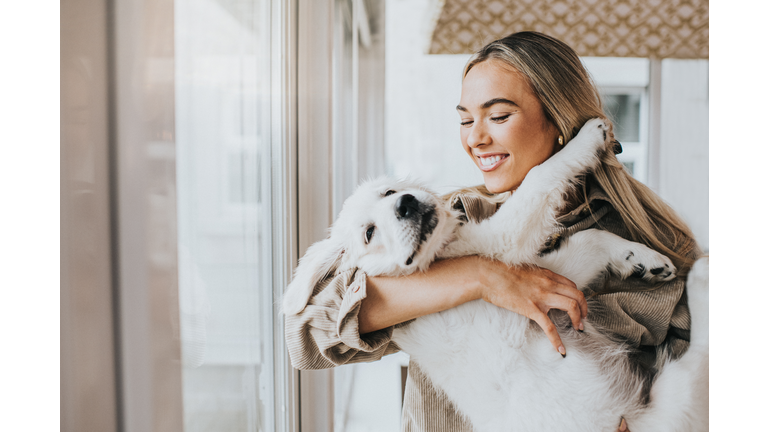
(560, 140)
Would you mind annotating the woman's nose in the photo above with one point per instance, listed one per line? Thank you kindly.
(478, 135)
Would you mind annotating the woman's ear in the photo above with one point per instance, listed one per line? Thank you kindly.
(321, 260)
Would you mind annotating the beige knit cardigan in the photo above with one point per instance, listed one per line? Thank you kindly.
(325, 334)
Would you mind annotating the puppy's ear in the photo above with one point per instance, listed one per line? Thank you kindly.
(321, 260)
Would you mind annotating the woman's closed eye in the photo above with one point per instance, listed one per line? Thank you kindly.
(495, 119)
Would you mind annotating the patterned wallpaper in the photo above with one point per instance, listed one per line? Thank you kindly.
(607, 28)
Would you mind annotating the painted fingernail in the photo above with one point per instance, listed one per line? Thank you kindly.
(581, 327)
(623, 425)
(561, 350)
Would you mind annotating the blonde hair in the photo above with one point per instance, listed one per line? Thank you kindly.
(570, 98)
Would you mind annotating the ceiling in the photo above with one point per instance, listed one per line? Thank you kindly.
(602, 28)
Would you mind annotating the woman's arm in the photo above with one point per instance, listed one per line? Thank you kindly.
(325, 333)
(528, 290)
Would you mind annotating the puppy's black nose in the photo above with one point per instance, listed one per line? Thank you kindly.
(406, 206)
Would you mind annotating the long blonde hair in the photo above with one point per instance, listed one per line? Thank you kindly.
(570, 98)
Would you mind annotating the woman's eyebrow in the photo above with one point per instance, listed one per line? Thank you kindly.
(488, 104)
(495, 101)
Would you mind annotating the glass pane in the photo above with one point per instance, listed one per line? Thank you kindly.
(624, 112)
(222, 124)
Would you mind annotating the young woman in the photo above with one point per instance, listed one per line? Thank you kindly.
(523, 98)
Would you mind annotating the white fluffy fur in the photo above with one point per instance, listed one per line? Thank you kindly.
(498, 367)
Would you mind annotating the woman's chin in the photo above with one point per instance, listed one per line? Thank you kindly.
(496, 185)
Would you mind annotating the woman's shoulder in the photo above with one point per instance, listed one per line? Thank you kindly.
(474, 203)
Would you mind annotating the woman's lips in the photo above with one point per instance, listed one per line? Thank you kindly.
(489, 160)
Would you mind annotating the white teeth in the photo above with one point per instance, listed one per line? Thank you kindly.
(490, 160)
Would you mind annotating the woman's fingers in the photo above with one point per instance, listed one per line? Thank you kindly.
(533, 291)
(565, 287)
(623, 426)
(559, 293)
(577, 296)
(550, 330)
(562, 280)
(570, 306)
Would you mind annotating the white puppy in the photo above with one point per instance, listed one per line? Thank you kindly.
(498, 367)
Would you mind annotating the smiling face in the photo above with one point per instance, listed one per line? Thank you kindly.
(503, 125)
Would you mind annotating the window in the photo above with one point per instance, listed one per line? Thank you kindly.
(224, 215)
(623, 85)
(198, 162)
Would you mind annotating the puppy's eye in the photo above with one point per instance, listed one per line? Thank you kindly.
(389, 192)
(369, 233)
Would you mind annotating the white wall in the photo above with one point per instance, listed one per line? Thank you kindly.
(684, 147)
(422, 91)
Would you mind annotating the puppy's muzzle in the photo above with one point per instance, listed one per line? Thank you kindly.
(407, 207)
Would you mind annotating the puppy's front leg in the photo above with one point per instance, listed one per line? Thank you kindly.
(529, 216)
(517, 231)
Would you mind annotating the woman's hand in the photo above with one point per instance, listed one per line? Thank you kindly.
(532, 291)
(528, 290)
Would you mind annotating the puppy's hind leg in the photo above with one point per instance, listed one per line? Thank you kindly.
(680, 395)
(631, 259)
(585, 255)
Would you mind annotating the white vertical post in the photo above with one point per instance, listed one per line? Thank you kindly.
(684, 150)
(654, 125)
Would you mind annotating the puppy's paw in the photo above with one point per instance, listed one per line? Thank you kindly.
(642, 262)
(585, 148)
(595, 133)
